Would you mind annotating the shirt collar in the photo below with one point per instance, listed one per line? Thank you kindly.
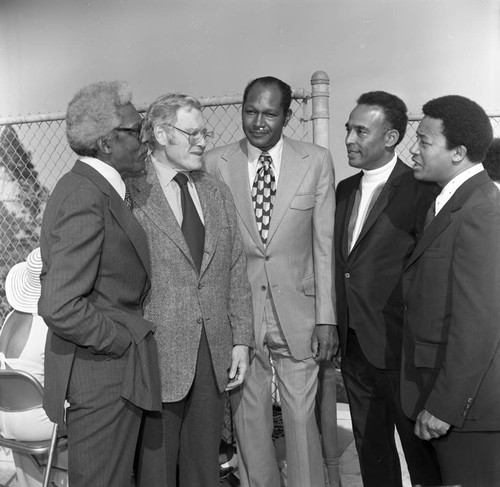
(108, 172)
(449, 190)
(381, 173)
(166, 173)
(275, 151)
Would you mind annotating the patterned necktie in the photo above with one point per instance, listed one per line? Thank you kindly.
(263, 193)
(192, 227)
(128, 199)
(430, 215)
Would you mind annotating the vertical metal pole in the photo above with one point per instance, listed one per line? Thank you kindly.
(320, 110)
(327, 391)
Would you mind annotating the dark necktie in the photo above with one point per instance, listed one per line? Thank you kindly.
(430, 215)
(128, 199)
(263, 193)
(192, 227)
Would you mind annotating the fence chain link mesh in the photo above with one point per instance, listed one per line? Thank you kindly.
(35, 154)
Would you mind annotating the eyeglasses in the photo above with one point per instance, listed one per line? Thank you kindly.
(135, 131)
(196, 135)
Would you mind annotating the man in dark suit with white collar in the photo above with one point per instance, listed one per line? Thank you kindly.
(451, 354)
(379, 213)
(101, 367)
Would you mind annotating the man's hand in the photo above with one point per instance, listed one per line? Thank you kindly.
(239, 366)
(428, 426)
(324, 342)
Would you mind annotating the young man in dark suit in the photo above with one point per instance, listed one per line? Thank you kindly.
(380, 212)
(451, 354)
(101, 367)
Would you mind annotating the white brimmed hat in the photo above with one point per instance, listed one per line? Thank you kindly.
(22, 285)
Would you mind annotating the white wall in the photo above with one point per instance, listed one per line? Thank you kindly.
(418, 49)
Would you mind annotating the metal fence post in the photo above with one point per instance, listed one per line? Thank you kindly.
(327, 391)
(320, 110)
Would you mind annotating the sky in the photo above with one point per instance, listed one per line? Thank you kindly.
(417, 49)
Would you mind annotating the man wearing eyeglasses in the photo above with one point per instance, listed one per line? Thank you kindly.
(101, 367)
(200, 297)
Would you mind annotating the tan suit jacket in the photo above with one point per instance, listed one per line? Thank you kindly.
(297, 263)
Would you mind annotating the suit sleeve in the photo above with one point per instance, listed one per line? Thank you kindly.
(474, 331)
(323, 224)
(240, 300)
(74, 245)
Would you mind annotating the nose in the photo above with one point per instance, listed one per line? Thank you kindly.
(414, 148)
(259, 120)
(349, 137)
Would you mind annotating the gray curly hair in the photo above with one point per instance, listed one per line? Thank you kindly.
(164, 110)
(93, 113)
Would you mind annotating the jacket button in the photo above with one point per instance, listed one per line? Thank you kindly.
(267, 257)
(263, 288)
(200, 286)
(347, 275)
(469, 400)
(199, 320)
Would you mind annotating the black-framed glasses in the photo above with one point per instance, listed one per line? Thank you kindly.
(195, 136)
(135, 131)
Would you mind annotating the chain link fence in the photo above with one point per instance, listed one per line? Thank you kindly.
(34, 154)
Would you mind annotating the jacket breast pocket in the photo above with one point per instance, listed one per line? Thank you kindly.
(309, 285)
(303, 201)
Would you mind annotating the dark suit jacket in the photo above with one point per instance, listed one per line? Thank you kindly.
(181, 300)
(94, 281)
(368, 279)
(451, 359)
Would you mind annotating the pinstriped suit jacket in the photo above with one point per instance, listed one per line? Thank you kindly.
(181, 301)
(94, 281)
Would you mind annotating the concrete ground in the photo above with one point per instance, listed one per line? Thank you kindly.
(348, 465)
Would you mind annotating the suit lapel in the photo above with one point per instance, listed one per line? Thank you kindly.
(445, 215)
(294, 166)
(235, 174)
(210, 204)
(122, 214)
(150, 199)
(383, 200)
(345, 210)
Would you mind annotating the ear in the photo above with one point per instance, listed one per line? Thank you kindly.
(458, 154)
(104, 144)
(288, 116)
(160, 134)
(391, 138)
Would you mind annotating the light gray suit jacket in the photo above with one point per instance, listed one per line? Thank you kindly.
(181, 301)
(297, 263)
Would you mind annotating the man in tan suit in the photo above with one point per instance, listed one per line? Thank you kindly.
(200, 297)
(284, 195)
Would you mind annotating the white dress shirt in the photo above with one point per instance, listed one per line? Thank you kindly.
(110, 174)
(172, 190)
(449, 190)
(253, 159)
